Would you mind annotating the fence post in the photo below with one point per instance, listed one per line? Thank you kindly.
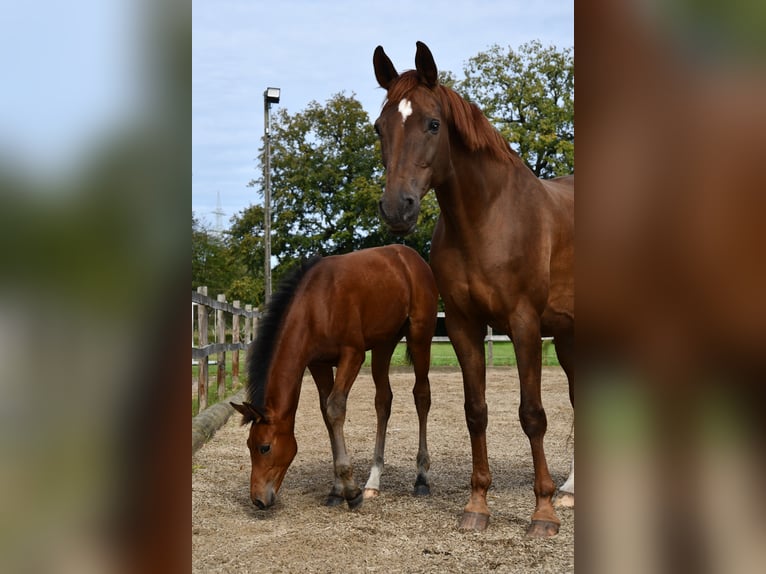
(202, 377)
(235, 352)
(249, 324)
(490, 351)
(221, 338)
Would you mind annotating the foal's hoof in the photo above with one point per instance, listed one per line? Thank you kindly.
(564, 500)
(334, 500)
(356, 502)
(542, 529)
(474, 521)
(422, 490)
(371, 493)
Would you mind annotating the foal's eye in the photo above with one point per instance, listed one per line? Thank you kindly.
(264, 448)
(433, 126)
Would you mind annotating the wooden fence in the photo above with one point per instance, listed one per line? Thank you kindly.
(227, 325)
(230, 335)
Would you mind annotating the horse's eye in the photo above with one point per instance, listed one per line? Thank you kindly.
(433, 126)
(377, 129)
(264, 448)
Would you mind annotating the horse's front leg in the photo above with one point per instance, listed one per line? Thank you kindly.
(348, 368)
(468, 340)
(525, 329)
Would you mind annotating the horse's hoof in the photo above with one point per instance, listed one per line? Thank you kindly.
(564, 500)
(356, 502)
(334, 500)
(542, 529)
(422, 490)
(474, 521)
(371, 493)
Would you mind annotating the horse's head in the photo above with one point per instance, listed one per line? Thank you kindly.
(414, 137)
(272, 448)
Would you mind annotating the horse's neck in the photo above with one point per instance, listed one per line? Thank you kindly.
(285, 376)
(478, 186)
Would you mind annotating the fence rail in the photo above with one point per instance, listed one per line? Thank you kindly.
(230, 336)
(239, 338)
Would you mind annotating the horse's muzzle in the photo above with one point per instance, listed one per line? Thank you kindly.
(400, 212)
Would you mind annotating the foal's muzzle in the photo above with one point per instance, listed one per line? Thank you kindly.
(264, 500)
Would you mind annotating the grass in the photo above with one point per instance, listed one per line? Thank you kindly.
(212, 384)
(442, 355)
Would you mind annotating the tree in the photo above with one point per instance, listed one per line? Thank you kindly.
(211, 263)
(244, 240)
(529, 96)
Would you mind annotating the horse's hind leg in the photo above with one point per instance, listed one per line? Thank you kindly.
(525, 328)
(381, 361)
(323, 377)
(565, 354)
(420, 352)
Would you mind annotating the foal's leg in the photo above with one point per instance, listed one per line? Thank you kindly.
(525, 328)
(351, 360)
(381, 361)
(565, 354)
(323, 378)
(467, 338)
(420, 351)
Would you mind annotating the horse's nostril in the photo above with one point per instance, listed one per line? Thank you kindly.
(410, 201)
(259, 504)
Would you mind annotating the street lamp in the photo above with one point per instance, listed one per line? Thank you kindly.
(270, 96)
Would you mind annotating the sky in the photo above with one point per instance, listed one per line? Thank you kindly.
(313, 50)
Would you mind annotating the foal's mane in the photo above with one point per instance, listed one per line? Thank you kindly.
(469, 121)
(262, 349)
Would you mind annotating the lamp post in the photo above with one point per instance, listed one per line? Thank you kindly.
(270, 96)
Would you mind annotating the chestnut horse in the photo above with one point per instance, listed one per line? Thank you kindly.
(327, 315)
(502, 252)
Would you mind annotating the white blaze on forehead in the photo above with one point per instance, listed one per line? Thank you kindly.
(405, 108)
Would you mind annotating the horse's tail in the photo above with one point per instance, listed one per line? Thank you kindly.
(408, 355)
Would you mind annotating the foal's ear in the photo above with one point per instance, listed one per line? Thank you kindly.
(425, 65)
(385, 72)
(249, 412)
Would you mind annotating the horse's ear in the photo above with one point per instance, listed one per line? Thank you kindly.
(249, 413)
(425, 65)
(385, 72)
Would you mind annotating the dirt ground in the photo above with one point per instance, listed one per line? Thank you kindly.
(395, 532)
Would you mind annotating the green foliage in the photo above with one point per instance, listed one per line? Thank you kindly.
(244, 239)
(528, 94)
(212, 264)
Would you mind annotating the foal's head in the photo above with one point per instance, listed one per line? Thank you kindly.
(272, 448)
(413, 136)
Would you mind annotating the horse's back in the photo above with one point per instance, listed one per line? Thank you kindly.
(367, 295)
(566, 180)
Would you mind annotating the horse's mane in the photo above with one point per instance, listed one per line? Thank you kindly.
(262, 348)
(467, 118)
